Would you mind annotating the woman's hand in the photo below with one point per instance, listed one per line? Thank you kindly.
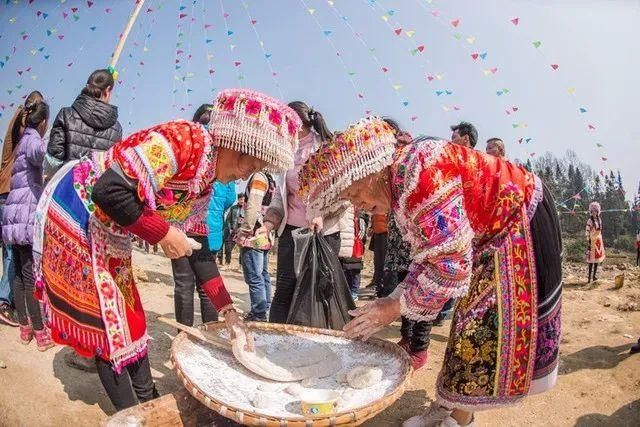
(266, 228)
(238, 329)
(175, 244)
(372, 317)
(317, 224)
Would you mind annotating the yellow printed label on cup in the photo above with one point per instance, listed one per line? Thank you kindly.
(317, 409)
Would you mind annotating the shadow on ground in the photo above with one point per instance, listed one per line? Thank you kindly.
(596, 357)
(411, 403)
(626, 416)
(80, 385)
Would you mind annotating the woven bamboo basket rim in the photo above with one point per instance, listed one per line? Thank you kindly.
(353, 416)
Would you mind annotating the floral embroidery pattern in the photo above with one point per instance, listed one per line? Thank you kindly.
(451, 202)
(157, 157)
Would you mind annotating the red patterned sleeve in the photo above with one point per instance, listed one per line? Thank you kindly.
(436, 224)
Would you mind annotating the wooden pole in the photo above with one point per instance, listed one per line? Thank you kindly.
(125, 33)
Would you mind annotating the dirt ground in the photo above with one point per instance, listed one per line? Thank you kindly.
(599, 383)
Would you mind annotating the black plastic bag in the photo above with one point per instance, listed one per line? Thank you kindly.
(321, 298)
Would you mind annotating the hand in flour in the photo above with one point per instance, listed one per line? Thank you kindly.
(372, 317)
(238, 330)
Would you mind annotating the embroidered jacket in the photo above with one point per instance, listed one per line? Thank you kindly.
(174, 166)
(450, 202)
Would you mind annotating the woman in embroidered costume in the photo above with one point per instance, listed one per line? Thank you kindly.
(595, 245)
(155, 184)
(480, 228)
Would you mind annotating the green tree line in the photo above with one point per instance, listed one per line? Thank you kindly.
(574, 184)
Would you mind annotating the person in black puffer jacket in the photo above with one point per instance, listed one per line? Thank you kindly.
(90, 124)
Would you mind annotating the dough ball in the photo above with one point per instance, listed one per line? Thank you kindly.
(294, 390)
(260, 400)
(309, 382)
(364, 376)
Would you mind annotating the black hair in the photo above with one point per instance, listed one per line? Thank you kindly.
(494, 139)
(36, 113)
(311, 119)
(203, 114)
(97, 83)
(466, 128)
(393, 123)
(423, 138)
(241, 195)
(20, 121)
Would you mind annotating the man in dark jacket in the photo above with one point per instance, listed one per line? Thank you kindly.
(90, 124)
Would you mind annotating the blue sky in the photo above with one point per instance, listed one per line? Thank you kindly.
(593, 43)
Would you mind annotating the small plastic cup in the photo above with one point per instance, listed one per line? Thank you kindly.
(319, 402)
